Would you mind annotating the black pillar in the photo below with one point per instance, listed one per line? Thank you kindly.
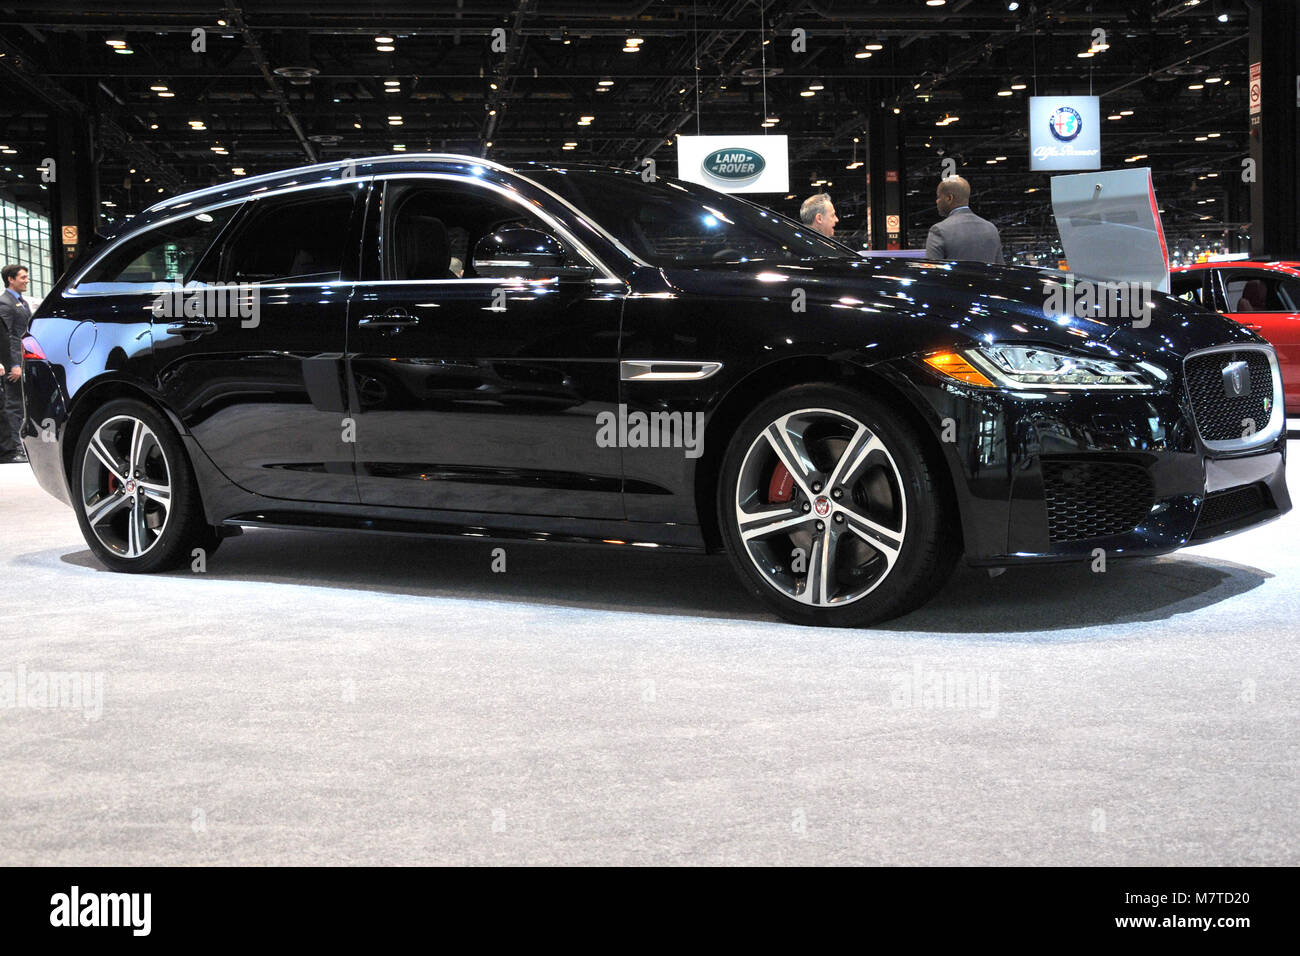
(1274, 135)
(886, 181)
(74, 200)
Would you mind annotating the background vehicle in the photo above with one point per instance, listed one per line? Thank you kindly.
(864, 422)
(1262, 296)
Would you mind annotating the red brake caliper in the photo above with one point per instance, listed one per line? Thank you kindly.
(781, 487)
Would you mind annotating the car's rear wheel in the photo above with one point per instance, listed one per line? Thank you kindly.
(831, 512)
(134, 492)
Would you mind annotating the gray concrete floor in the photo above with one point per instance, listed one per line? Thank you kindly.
(320, 698)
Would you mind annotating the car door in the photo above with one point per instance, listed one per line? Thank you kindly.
(477, 393)
(255, 370)
(1268, 302)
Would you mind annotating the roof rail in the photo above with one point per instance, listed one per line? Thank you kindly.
(334, 164)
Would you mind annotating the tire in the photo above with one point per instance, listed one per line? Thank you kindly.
(134, 491)
(845, 521)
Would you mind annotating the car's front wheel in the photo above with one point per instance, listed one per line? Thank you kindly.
(830, 511)
(134, 492)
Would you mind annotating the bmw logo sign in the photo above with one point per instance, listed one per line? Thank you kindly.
(1065, 123)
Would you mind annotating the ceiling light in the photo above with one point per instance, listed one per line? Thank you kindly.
(1004, 92)
(807, 93)
(153, 125)
(385, 48)
(166, 94)
(1114, 116)
(492, 86)
(1201, 139)
(399, 147)
(608, 82)
(1013, 6)
(999, 158)
(875, 46)
(935, 3)
(897, 111)
(1214, 79)
(631, 49)
(115, 42)
(159, 87)
(1085, 54)
(383, 39)
(1196, 86)
(1018, 86)
(124, 50)
(862, 55)
(816, 85)
(1223, 18)
(1214, 135)
(392, 82)
(238, 170)
(1125, 112)
(634, 41)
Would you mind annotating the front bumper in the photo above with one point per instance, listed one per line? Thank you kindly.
(1057, 475)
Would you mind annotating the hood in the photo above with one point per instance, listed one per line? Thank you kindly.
(968, 303)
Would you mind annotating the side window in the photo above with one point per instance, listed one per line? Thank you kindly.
(430, 229)
(1259, 291)
(294, 238)
(1187, 286)
(166, 253)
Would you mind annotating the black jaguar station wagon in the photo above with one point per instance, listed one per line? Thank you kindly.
(442, 345)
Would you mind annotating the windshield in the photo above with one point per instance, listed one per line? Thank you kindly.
(670, 223)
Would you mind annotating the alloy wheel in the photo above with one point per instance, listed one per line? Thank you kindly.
(126, 486)
(820, 507)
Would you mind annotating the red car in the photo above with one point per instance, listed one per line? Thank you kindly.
(1263, 296)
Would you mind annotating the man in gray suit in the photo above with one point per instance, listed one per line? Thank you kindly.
(14, 318)
(961, 234)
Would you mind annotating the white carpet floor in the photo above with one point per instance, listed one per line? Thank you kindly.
(332, 698)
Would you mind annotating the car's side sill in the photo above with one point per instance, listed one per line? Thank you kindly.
(634, 534)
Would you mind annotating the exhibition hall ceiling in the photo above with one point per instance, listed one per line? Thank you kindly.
(187, 93)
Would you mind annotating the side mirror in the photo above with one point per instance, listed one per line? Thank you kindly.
(517, 251)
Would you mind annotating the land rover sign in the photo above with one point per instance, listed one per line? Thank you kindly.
(735, 164)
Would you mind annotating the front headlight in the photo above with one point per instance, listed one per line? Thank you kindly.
(1028, 366)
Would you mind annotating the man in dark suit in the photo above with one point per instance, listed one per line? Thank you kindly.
(961, 234)
(15, 315)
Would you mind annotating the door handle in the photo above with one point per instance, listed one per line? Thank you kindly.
(192, 327)
(394, 319)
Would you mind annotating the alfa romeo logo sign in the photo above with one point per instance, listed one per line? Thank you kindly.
(1065, 123)
(735, 167)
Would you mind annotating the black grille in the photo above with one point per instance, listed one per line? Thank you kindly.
(1225, 507)
(1218, 417)
(1087, 499)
